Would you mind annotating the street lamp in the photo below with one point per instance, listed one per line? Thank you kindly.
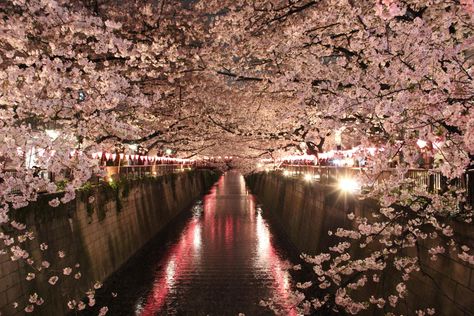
(348, 185)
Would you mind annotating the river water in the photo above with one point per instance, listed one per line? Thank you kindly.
(221, 258)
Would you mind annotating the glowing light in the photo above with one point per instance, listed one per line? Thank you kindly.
(421, 143)
(308, 177)
(170, 272)
(133, 147)
(300, 157)
(53, 134)
(168, 151)
(263, 238)
(81, 96)
(372, 151)
(286, 173)
(349, 185)
(197, 238)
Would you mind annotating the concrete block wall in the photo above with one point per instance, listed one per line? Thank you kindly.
(100, 237)
(307, 211)
(304, 211)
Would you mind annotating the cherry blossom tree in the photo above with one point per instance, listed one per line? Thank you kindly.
(251, 79)
(391, 73)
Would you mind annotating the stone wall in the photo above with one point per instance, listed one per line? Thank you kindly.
(307, 211)
(99, 230)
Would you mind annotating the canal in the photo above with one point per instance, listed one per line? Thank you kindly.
(221, 258)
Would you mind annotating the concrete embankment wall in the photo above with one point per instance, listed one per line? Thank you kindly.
(307, 211)
(100, 230)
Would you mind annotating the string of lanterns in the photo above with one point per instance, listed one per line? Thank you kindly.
(151, 159)
(107, 156)
(343, 157)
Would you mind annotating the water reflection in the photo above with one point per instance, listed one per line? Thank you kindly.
(224, 262)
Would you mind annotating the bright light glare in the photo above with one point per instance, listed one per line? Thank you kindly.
(421, 143)
(348, 185)
(286, 173)
(308, 177)
(53, 134)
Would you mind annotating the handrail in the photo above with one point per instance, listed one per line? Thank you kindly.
(430, 179)
(114, 173)
(137, 171)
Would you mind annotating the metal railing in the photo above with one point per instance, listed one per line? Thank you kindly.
(431, 180)
(109, 173)
(139, 171)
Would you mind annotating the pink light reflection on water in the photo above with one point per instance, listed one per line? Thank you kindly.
(176, 262)
(217, 230)
(268, 255)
